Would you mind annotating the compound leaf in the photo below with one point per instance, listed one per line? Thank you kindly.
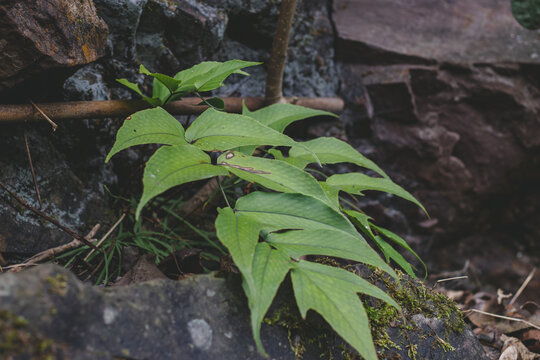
(330, 151)
(175, 165)
(355, 183)
(215, 130)
(332, 292)
(279, 116)
(274, 174)
(148, 127)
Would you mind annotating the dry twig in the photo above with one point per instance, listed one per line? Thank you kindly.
(32, 168)
(47, 217)
(73, 110)
(53, 124)
(504, 317)
(106, 235)
(51, 253)
(523, 286)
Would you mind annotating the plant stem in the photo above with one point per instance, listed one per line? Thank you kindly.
(276, 64)
(223, 192)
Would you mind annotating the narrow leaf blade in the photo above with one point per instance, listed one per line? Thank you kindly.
(269, 269)
(330, 151)
(355, 183)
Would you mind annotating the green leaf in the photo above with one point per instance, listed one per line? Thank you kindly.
(292, 211)
(215, 130)
(277, 154)
(160, 91)
(398, 240)
(148, 127)
(332, 292)
(279, 116)
(240, 234)
(274, 174)
(297, 243)
(135, 87)
(331, 193)
(362, 221)
(214, 102)
(330, 151)
(210, 75)
(170, 83)
(390, 253)
(355, 183)
(175, 165)
(269, 269)
(527, 13)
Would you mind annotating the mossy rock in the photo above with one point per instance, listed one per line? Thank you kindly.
(204, 317)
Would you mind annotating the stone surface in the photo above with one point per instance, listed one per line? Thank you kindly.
(64, 195)
(459, 129)
(482, 31)
(40, 35)
(200, 317)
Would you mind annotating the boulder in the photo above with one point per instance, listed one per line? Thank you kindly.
(42, 35)
(446, 95)
(65, 197)
(482, 31)
(200, 317)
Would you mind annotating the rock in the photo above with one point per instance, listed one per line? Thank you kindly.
(191, 31)
(200, 317)
(451, 113)
(122, 17)
(64, 195)
(393, 31)
(41, 35)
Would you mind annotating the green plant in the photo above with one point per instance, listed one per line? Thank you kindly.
(270, 233)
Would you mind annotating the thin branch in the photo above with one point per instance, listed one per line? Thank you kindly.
(51, 253)
(53, 124)
(106, 235)
(523, 286)
(32, 169)
(48, 218)
(121, 108)
(276, 64)
(504, 317)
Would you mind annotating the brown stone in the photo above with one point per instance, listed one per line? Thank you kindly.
(420, 31)
(39, 35)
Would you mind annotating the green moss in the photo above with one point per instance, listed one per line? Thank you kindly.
(17, 339)
(57, 284)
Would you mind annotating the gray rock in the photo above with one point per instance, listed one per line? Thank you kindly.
(41, 35)
(200, 317)
(123, 17)
(64, 195)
